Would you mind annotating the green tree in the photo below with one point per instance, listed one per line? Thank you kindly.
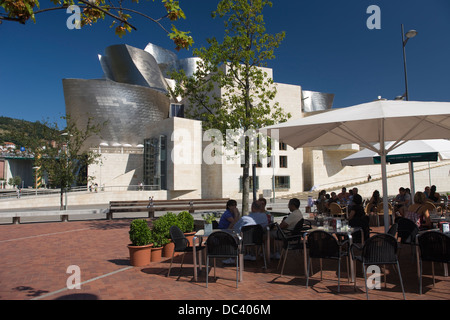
(230, 90)
(92, 10)
(15, 181)
(61, 153)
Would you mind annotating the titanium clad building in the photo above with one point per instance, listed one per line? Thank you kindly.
(147, 140)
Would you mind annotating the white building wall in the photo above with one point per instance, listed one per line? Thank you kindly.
(329, 174)
(118, 169)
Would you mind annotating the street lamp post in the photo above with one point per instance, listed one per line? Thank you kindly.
(36, 177)
(405, 37)
(68, 135)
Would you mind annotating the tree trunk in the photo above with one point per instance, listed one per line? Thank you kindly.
(61, 199)
(246, 179)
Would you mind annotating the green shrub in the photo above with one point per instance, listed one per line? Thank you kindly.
(140, 233)
(158, 239)
(161, 226)
(186, 221)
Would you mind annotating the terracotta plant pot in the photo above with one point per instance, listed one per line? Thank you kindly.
(190, 237)
(156, 254)
(140, 255)
(168, 249)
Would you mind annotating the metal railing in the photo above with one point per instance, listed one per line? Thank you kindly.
(31, 192)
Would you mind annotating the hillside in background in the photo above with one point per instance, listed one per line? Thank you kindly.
(9, 126)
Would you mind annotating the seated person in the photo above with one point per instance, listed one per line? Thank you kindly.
(427, 191)
(373, 204)
(418, 213)
(434, 196)
(268, 214)
(357, 218)
(295, 216)
(356, 212)
(399, 203)
(256, 216)
(321, 200)
(343, 196)
(230, 216)
(287, 224)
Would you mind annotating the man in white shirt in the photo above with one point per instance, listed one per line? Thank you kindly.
(295, 216)
(288, 223)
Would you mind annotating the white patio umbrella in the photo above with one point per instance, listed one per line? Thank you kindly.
(408, 152)
(364, 124)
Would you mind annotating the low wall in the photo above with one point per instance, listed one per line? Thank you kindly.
(81, 199)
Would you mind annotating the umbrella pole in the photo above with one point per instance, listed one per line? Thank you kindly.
(384, 179)
(411, 180)
(385, 193)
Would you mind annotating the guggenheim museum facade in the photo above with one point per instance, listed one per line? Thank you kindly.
(148, 140)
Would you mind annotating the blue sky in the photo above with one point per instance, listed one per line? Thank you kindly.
(328, 48)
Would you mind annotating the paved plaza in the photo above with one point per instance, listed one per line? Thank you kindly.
(36, 256)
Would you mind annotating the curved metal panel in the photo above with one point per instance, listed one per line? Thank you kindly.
(316, 101)
(129, 110)
(161, 55)
(134, 66)
(189, 65)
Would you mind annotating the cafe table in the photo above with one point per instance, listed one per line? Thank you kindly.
(344, 231)
(437, 218)
(201, 236)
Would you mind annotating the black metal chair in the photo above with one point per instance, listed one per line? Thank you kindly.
(434, 246)
(254, 236)
(407, 231)
(222, 244)
(380, 249)
(392, 230)
(323, 245)
(181, 245)
(290, 242)
(299, 229)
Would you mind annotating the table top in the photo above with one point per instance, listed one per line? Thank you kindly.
(202, 233)
(436, 229)
(347, 230)
(438, 218)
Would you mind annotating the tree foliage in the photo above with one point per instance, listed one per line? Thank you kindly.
(60, 153)
(9, 127)
(230, 89)
(92, 10)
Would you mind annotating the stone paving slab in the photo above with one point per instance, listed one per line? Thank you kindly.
(35, 258)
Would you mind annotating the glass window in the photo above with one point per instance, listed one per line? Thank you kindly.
(176, 110)
(283, 162)
(282, 182)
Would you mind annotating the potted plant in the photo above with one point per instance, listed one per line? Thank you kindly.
(186, 221)
(141, 243)
(158, 240)
(209, 218)
(161, 226)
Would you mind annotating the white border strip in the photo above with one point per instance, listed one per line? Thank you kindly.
(82, 283)
(44, 235)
